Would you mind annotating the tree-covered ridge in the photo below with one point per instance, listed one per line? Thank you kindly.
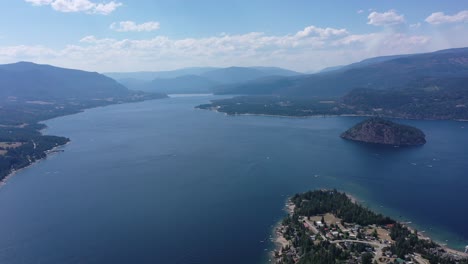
(277, 105)
(322, 202)
(32, 93)
(443, 68)
(311, 241)
(422, 101)
(30, 145)
(19, 126)
(421, 86)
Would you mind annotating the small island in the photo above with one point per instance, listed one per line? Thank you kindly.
(327, 226)
(381, 131)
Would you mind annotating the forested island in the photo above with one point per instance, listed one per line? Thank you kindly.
(327, 226)
(381, 131)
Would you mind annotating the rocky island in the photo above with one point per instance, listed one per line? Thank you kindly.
(381, 131)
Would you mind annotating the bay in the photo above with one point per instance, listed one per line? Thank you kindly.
(162, 182)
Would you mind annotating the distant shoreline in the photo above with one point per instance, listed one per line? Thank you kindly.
(213, 109)
(4, 180)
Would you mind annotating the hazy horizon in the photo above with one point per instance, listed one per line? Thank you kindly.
(123, 36)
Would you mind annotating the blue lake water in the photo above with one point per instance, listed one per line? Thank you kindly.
(162, 182)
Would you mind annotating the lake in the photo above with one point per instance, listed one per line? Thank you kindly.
(162, 182)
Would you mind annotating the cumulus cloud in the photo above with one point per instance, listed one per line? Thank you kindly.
(311, 48)
(86, 6)
(126, 26)
(441, 18)
(388, 18)
(321, 32)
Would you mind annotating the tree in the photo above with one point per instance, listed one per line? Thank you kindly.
(366, 258)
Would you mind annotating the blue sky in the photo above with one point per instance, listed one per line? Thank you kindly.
(124, 35)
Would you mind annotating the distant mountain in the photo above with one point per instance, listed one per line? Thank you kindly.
(276, 71)
(150, 75)
(332, 68)
(234, 75)
(242, 74)
(30, 93)
(394, 72)
(199, 80)
(31, 81)
(182, 84)
(134, 84)
(213, 73)
(362, 63)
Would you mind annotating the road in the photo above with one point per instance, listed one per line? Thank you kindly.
(379, 247)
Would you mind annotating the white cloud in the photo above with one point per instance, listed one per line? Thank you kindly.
(441, 18)
(39, 2)
(321, 32)
(360, 11)
(87, 6)
(415, 25)
(388, 18)
(106, 9)
(125, 26)
(311, 48)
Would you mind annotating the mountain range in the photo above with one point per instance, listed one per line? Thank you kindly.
(443, 69)
(196, 80)
(32, 92)
(418, 86)
(29, 81)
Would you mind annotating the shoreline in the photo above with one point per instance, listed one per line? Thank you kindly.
(12, 173)
(325, 116)
(421, 234)
(4, 180)
(280, 241)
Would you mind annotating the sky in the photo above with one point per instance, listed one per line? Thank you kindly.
(154, 35)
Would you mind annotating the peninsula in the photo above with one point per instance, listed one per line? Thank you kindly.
(381, 131)
(327, 226)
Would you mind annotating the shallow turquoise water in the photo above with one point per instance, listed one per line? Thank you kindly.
(162, 182)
